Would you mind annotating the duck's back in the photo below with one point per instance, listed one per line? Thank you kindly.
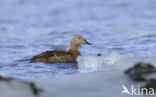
(54, 57)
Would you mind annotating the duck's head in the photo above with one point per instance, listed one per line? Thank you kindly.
(78, 39)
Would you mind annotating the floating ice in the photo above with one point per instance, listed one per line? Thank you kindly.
(108, 61)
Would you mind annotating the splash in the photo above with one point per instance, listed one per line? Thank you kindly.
(108, 61)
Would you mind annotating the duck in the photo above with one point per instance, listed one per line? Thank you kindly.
(70, 56)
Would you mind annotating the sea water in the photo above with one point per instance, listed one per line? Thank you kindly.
(123, 31)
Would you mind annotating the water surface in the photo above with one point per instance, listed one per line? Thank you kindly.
(124, 31)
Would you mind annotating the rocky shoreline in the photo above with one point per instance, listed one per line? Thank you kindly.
(140, 72)
(17, 85)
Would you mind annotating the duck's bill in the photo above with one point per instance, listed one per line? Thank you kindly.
(88, 42)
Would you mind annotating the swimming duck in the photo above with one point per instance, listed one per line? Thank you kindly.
(62, 56)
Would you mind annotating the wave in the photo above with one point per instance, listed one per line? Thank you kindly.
(108, 61)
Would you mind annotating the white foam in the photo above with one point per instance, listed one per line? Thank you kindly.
(108, 61)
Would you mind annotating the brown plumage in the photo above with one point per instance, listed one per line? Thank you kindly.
(62, 56)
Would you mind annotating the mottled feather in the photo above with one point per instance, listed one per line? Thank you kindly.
(54, 57)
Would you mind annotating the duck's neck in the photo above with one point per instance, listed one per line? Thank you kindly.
(74, 50)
